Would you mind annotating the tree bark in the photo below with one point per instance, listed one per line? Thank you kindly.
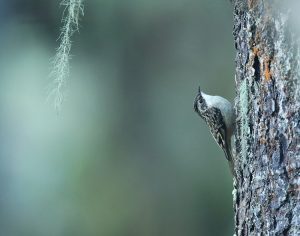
(267, 139)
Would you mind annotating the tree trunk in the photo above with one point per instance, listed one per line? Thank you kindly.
(267, 140)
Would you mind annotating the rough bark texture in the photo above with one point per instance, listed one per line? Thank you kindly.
(267, 139)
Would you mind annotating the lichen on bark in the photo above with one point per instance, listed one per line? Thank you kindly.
(267, 165)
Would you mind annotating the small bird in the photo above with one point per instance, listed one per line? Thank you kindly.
(218, 114)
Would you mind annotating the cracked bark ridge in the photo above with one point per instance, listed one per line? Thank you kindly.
(267, 140)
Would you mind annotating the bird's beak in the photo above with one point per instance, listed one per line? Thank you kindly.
(196, 100)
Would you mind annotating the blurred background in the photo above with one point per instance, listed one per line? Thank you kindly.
(127, 155)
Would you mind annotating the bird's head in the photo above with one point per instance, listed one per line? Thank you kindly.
(200, 103)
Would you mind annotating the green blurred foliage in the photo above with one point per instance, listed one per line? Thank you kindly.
(127, 156)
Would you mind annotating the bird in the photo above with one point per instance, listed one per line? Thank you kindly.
(218, 113)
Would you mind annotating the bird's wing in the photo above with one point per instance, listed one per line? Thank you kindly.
(217, 126)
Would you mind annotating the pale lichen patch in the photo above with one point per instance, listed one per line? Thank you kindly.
(244, 101)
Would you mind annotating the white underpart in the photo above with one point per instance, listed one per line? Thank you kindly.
(224, 105)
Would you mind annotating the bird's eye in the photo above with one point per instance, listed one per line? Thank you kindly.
(203, 106)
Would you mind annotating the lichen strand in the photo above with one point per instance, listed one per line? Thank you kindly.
(267, 166)
(60, 63)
